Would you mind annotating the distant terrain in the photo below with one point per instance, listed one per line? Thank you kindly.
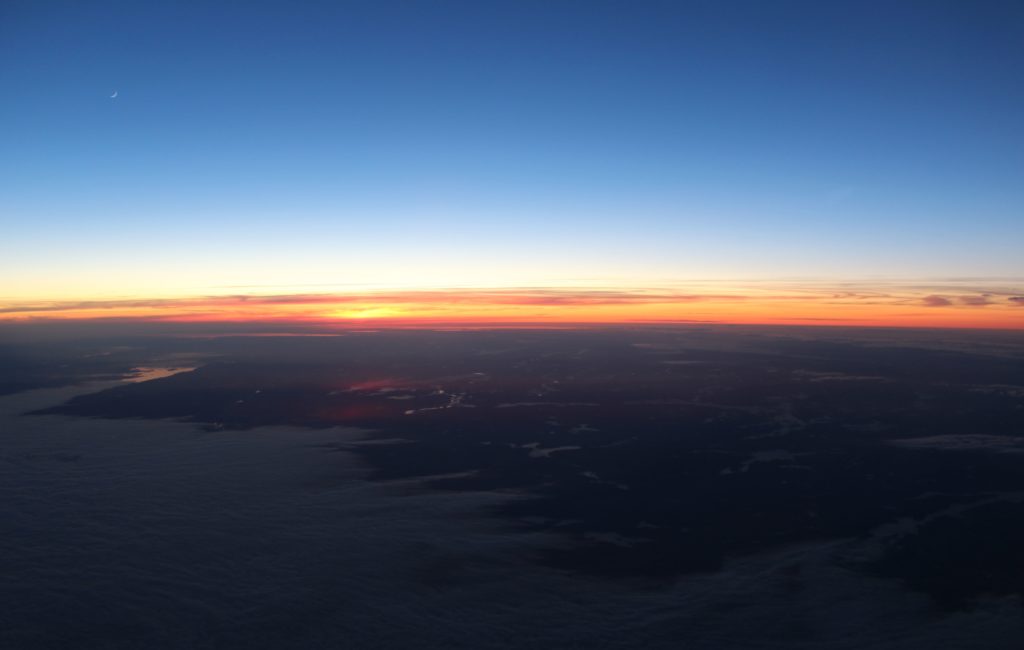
(644, 459)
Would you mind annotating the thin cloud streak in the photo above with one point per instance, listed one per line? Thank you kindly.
(785, 303)
(453, 296)
(936, 301)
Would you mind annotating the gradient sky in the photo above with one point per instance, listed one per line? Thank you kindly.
(278, 147)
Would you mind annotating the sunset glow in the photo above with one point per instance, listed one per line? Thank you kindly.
(807, 304)
(477, 165)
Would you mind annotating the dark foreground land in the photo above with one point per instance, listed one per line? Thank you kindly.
(640, 461)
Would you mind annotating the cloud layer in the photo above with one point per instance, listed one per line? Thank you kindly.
(783, 303)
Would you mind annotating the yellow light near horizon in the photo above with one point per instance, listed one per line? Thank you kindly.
(365, 312)
(786, 304)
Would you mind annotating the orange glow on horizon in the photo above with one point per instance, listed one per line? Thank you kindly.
(759, 305)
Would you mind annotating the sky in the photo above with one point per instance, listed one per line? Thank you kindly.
(853, 162)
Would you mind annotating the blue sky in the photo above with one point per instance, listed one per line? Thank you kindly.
(507, 142)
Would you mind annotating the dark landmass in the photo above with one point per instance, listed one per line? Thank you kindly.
(655, 452)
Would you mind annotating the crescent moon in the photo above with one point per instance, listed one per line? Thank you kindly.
(114, 95)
